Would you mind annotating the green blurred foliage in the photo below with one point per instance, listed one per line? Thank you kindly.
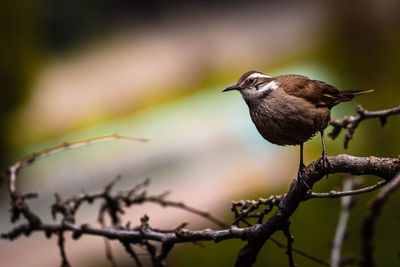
(361, 47)
(18, 60)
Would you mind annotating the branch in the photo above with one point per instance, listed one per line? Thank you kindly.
(290, 240)
(300, 252)
(109, 255)
(351, 123)
(181, 236)
(335, 194)
(246, 209)
(114, 204)
(167, 203)
(12, 172)
(258, 234)
(342, 223)
(132, 253)
(375, 207)
(61, 244)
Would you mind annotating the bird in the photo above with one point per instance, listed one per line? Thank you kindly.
(290, 109)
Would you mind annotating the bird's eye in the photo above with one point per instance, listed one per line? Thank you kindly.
(251, 80)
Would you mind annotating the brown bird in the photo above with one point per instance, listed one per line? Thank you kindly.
(290, 109)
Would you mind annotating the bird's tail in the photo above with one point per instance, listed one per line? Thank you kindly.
(350, 94)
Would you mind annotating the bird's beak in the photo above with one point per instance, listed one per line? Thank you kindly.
(232, 87)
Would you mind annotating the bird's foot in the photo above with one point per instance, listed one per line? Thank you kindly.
(324, 163)
(301, 176)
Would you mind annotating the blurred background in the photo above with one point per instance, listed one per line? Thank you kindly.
(155, 69)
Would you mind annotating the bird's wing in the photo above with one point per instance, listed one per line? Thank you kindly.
(316, 92)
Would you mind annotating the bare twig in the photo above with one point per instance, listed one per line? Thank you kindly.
(107, 243)
(132, 253)
(342, 223)
(300, 252)
(351, 123)
(182, 236)
(109, 255)
(167, 203)
(290, 240)
(61, 245)
(335, 194)
(245, 209)
(12, 172)
(375, 207)
(151, 249)
(165, 249)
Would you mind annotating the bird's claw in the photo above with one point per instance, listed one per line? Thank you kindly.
(324, 163)
(301, 175)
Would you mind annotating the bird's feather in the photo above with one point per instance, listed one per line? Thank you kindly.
(316, 92)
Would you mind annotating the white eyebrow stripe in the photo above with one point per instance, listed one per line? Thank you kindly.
(269, 86)
(258, 75)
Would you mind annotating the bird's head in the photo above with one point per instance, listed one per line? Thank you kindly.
(253, 84)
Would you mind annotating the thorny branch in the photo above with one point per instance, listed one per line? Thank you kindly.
(256, 234)
(351, 123)
(246, 209)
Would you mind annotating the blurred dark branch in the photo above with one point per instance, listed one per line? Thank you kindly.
(348, 184)
(132, 253)
(351, 123)
(375, 208)
(61, 245)
(109, 255)
(290, 240)
(300, 252)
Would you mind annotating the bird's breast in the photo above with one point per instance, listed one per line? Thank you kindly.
(288, 120)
